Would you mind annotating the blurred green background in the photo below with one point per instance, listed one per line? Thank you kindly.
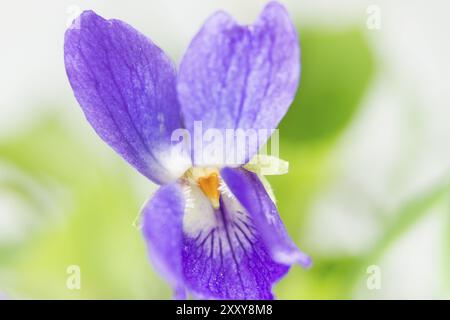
(366, 138)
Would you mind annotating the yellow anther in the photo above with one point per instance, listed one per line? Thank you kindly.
(208, 180)
(210, 187)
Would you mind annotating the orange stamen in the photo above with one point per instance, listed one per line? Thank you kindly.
(210, 187)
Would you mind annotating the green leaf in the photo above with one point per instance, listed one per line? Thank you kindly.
(336, 69)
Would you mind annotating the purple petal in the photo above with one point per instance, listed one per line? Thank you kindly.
(252, 195)
(235, 76)
(162, 229)
(213, 253)
(224, 256)
(126, 87)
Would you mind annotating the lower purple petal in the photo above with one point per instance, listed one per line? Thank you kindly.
(162, 229)
(237, 251)
(252, 195)
(230, 260)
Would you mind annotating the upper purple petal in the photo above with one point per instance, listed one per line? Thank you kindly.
(235, 76)
(126, 87)
(252, 195)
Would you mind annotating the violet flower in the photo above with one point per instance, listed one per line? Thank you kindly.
(211, 229)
